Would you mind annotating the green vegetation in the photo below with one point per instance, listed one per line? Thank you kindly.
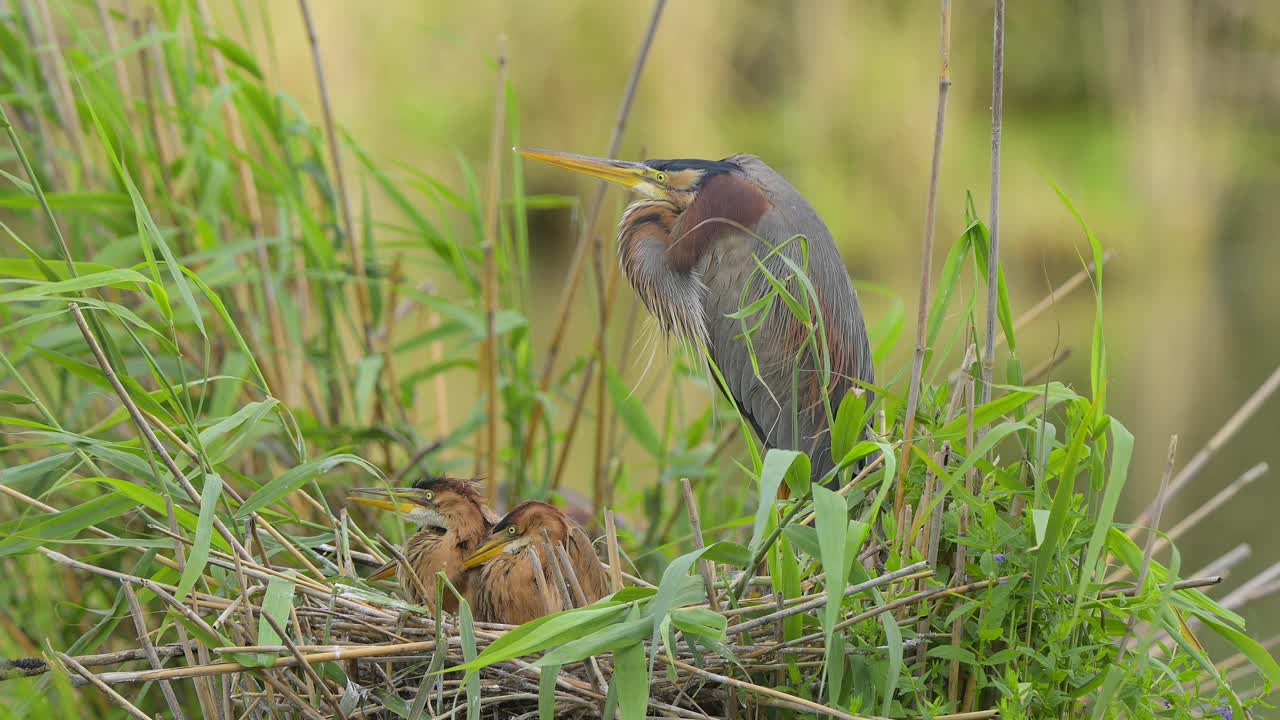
(208, 334)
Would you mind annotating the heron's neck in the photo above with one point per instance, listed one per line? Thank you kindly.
(672, 294)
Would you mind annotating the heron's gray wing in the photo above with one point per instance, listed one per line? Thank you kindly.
(784, 395)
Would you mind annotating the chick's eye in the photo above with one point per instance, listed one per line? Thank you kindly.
(511, 530)
(660, 177)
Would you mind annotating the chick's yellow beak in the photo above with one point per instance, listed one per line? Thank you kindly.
(486, 552)
(625, 173)
(382, 499)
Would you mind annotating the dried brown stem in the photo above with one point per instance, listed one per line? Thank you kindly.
(492, 199)
(926, 264)
(993, 254)
(357, 252)
(116, 697)
(615, 559)
(704, 566)
(920, 568)
(144, 637)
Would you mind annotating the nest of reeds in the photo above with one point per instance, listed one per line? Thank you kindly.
(332, 646)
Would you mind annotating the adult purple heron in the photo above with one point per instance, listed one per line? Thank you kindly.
(693, 247)
(452, 519)
(508, 587)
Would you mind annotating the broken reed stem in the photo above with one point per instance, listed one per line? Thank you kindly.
(584, 239)
(306, 666)
(926, 264)
(615, 559)
(1219, 439)
(704, 566)
(540, 581)
(493, 189)
(330, 129)
(993, 252)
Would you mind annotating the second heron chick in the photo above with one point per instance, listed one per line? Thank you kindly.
(453, 521)
(508, 590)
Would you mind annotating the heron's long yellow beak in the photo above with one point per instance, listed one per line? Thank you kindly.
(622, 172)
(383, 499)
(487, 551)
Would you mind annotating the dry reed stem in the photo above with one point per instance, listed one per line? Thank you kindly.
(572, 430)
(920, 569)
(957, 627)
(1050, 364)
(1200, 513)
(615, 559)
(489, 361)
(144, 637)
(1162, 496)
(863, 474)
(808, 705)
(993, 253)
(64, 100)
(601, 490)
(704, 566)
(926, 264)
(876, 611)
(1219, 439)
(145, 428)
(584, 239)
(330, 131)
(115, 697)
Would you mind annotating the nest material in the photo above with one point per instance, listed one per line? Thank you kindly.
(391, 651)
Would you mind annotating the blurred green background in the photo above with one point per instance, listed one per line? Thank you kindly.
(1157, 117)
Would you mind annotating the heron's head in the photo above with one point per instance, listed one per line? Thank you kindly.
(522, 526)
(432, 501)
(672, 181)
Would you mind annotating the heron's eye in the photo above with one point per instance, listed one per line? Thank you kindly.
(660, 177)
(430, 495)
(511, 530)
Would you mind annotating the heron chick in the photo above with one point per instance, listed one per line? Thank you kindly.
(453, 521)
(508, 589)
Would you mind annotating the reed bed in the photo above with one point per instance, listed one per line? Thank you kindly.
(210, 333)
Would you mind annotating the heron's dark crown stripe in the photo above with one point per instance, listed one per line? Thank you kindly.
(709, 167)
